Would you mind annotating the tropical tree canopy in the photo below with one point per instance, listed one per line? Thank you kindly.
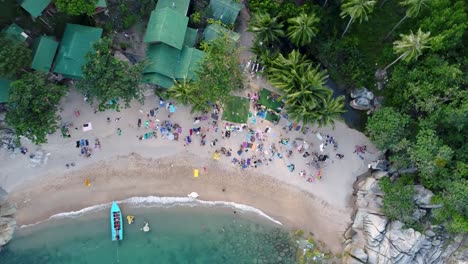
(218, 75)
(357, 9)
(267, 29)
(14, 56)
(412, 45)
(108, 79)
(307, 99)
(303, 28)
(32, 106)
(76, 7)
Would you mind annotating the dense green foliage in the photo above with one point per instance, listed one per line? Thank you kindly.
(303, 29)
(398, 203)
(33, 105)
(14, 56)
(307, 99)
(76, 7)
(219, 74)
(107, 78)
(386, 128)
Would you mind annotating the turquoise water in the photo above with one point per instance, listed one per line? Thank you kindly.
(178, 235)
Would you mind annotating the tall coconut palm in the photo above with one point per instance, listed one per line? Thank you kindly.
(267, 29)
(413, 7)
(356, 10)
(182, 91)
(303, 29)
(410, 46)
(330, 110)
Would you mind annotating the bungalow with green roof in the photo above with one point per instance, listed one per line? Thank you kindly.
(180, 6)
(225, 10)
(189, 63)
(15, 32)
(77, 41)
(191, 37)
(44, 49)
(167, 64)
(35, 7)
(214, 31)
(166, 26)
(5, 86)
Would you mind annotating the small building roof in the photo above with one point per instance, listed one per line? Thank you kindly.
(35, 7)
(15, 32)
(5, 86)
(225, 10)
(214, 31)
(158, 79)
(189, 63)
(101, 3)
(191, 36)
(162, 58)
(180, 6)
(77, 41)
(167, 26)
(44, 50)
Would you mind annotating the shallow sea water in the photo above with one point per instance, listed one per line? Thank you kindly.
(178, 234)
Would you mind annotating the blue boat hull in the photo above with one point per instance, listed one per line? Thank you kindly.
(116, 222)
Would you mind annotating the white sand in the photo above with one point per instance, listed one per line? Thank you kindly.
(324, 202)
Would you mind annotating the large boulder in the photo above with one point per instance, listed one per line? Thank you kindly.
(7, 220)
(423, 196)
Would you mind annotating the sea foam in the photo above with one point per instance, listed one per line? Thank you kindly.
(155, 201)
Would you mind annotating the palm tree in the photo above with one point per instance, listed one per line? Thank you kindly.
(183, 92)
(303, 29)
(413, 9)
(267, 28)
(410, 46)
(356, 9)
(329, 110)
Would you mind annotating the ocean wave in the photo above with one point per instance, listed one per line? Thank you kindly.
(155, 201)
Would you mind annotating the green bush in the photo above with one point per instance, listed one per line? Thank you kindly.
(398, 203)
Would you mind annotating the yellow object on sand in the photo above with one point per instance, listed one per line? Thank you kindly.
(216, 156)
(87, 183)
(130, 219)
(254, 146)
(195, 173)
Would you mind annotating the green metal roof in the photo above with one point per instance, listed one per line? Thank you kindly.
(4, 90)
(163, 59)
(181, 6)
(214, 31)
(44, 50)
(14, 32)
(77, 41)
(189, 63)
(191, 36)
(35, 7)
(101, 3)
(225, 10)
(158, 79)
(166, 26)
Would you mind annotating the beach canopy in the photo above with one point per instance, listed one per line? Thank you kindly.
(35, 7)
(225, 10)
(214, 31)
(167, 26)
(77, 41)
(180, 6)
(44, 50)
(5, 86)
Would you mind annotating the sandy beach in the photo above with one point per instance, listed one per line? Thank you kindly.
(125, 166)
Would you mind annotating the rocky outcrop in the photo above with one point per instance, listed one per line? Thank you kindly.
(372, 238)
(7, 221)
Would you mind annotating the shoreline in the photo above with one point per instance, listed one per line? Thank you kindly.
(138, 176)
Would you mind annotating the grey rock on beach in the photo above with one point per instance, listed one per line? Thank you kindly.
(7, 221)
(372, 238)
